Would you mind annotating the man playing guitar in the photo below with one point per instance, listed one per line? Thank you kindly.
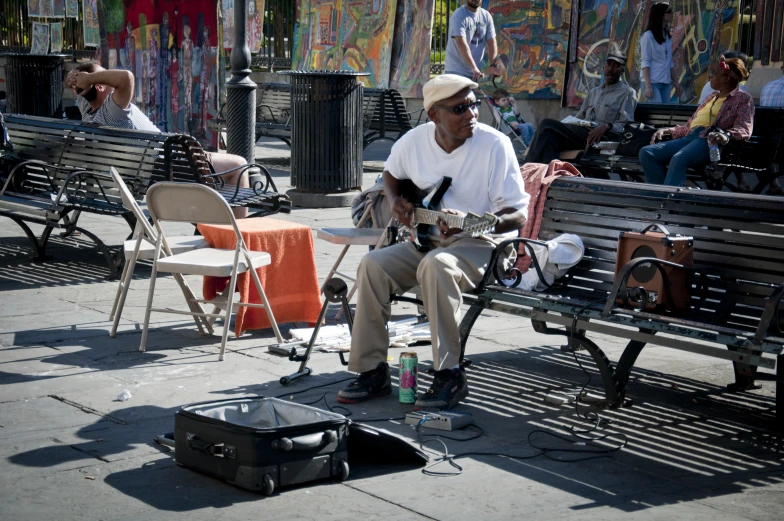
(485, 178)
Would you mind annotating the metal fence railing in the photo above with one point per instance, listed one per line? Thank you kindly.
(443, 10)
(277, 35)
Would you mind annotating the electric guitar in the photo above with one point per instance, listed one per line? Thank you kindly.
(426, 214)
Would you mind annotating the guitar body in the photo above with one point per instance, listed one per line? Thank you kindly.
(427, 201)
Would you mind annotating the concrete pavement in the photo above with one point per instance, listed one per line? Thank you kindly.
(71, 451)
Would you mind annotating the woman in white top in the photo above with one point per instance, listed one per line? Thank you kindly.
(656, 48)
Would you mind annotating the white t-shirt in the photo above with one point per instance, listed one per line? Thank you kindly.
(484, 170)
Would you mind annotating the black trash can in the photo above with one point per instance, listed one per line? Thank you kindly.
(35, 84)
(326, 130)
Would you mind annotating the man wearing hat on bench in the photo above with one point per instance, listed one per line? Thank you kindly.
(609, 106)
(485, 178)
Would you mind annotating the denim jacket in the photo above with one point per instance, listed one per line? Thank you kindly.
(736, 116)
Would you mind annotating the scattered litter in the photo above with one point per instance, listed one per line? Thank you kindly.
(333, 339)
(674, 387)
(124, 396)
(695, 400)
(99, 439)
(90, 477)
(291, 397)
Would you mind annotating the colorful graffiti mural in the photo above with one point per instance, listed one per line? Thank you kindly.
(345, 35)
(40, 40)
(92, 38)
(254, 24)
(72, 8)
(40, 8)
(173, 57)
(56, 33)
(532, 38)
(701, 30)
(409, 66)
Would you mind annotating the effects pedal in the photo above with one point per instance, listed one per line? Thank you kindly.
(441, 420)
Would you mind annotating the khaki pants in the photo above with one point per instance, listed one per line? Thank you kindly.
(443, 274)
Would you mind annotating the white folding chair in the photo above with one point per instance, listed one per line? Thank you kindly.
(184, 202)
(142, 247)
(348, 237)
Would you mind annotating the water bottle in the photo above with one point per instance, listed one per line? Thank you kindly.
(715, 153)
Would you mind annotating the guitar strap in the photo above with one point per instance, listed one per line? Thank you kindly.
(433, 198)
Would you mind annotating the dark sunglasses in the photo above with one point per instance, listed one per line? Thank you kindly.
(462, 108)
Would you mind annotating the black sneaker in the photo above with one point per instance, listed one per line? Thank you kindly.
(370, 384)
(449, 387)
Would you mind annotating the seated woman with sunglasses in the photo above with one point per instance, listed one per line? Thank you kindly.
(485, 178)
(729, 110)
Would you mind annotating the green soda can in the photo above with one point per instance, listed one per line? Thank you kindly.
(408, 370)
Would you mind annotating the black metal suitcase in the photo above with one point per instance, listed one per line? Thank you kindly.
(261, 444)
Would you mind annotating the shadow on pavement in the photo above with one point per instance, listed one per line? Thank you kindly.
(687, 439)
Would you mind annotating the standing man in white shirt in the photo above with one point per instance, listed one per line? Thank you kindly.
(485, 178)
(471, 30)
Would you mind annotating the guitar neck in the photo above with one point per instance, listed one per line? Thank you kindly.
(422, 216)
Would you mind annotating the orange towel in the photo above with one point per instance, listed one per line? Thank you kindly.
(290, 281)
(537, 178)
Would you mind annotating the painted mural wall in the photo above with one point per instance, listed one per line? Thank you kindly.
(345, 35)
(410, 60)
(701, 30)
(174, 58)
(533, 38)
(254, 24)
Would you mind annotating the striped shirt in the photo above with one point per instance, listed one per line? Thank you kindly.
(773, 94)
(111, 115)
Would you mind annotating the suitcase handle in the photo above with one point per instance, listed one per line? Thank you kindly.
(659, 226)
(307, 442)
(219, 450)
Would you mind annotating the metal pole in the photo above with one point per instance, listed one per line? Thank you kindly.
(241, 91)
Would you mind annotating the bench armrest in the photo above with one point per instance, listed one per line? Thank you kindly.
(260, 112)
(20, 168)
(768, 314)
(492, 267)
(622, 279)
(259, 187)
(79, 195)
(420, 113)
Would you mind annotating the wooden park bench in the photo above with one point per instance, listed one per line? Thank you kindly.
(61, 172)
(736, 285)
(273, 111)
(384, 114)
(757, 155)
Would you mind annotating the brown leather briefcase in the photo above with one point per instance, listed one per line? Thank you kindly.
(645, 288)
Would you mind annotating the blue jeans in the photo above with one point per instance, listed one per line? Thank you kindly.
(526, 132)
(661, 93)
(687, 152)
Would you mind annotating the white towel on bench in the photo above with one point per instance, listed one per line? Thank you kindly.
(561, 253)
